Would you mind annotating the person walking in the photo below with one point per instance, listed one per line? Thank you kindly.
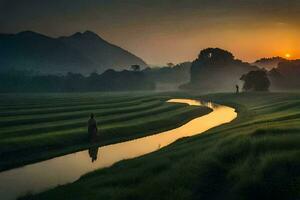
(92, 127)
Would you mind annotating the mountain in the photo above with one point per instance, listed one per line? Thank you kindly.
(216, 70)
(269, 63)
(100, 52)
(81, 53)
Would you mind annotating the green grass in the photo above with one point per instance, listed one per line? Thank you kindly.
(38, 127)
(255, 157)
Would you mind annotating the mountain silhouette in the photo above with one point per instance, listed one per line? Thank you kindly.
(81, 52)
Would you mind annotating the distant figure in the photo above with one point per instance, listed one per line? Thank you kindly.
(92, 127)
(237, 89)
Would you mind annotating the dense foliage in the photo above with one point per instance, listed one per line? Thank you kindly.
(216, 70)
(286, 75)
(256, 81)
(269, 63)
(169, 77)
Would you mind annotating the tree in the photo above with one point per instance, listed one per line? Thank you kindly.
(216, 55)
(216, 69)
(256, 81)
(135, 68)
(170, 64)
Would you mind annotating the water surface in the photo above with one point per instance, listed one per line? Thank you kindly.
(47, 174)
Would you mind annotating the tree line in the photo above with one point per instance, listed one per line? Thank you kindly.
(110, 80)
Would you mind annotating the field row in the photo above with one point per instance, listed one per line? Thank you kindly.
(67, 106)
(71, 124)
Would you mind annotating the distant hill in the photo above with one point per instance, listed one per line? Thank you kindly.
(216, 70)
(81, 53)
(286, 75)
(269, 63)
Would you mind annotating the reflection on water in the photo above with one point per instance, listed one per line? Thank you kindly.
(93, 153)
(65, 169)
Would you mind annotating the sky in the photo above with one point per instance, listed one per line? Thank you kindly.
(162, 31)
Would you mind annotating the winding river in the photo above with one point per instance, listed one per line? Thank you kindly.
(47, 174)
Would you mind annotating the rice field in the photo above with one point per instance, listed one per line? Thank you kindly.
(35, 127)
(255, 157)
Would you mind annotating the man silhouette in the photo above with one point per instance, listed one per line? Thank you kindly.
(237, 89)
(92, 127)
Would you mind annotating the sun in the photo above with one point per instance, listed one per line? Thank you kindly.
(288, 55)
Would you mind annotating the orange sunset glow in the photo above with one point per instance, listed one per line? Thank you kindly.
(171, 31)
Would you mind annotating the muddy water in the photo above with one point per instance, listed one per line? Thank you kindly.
(47, 174)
